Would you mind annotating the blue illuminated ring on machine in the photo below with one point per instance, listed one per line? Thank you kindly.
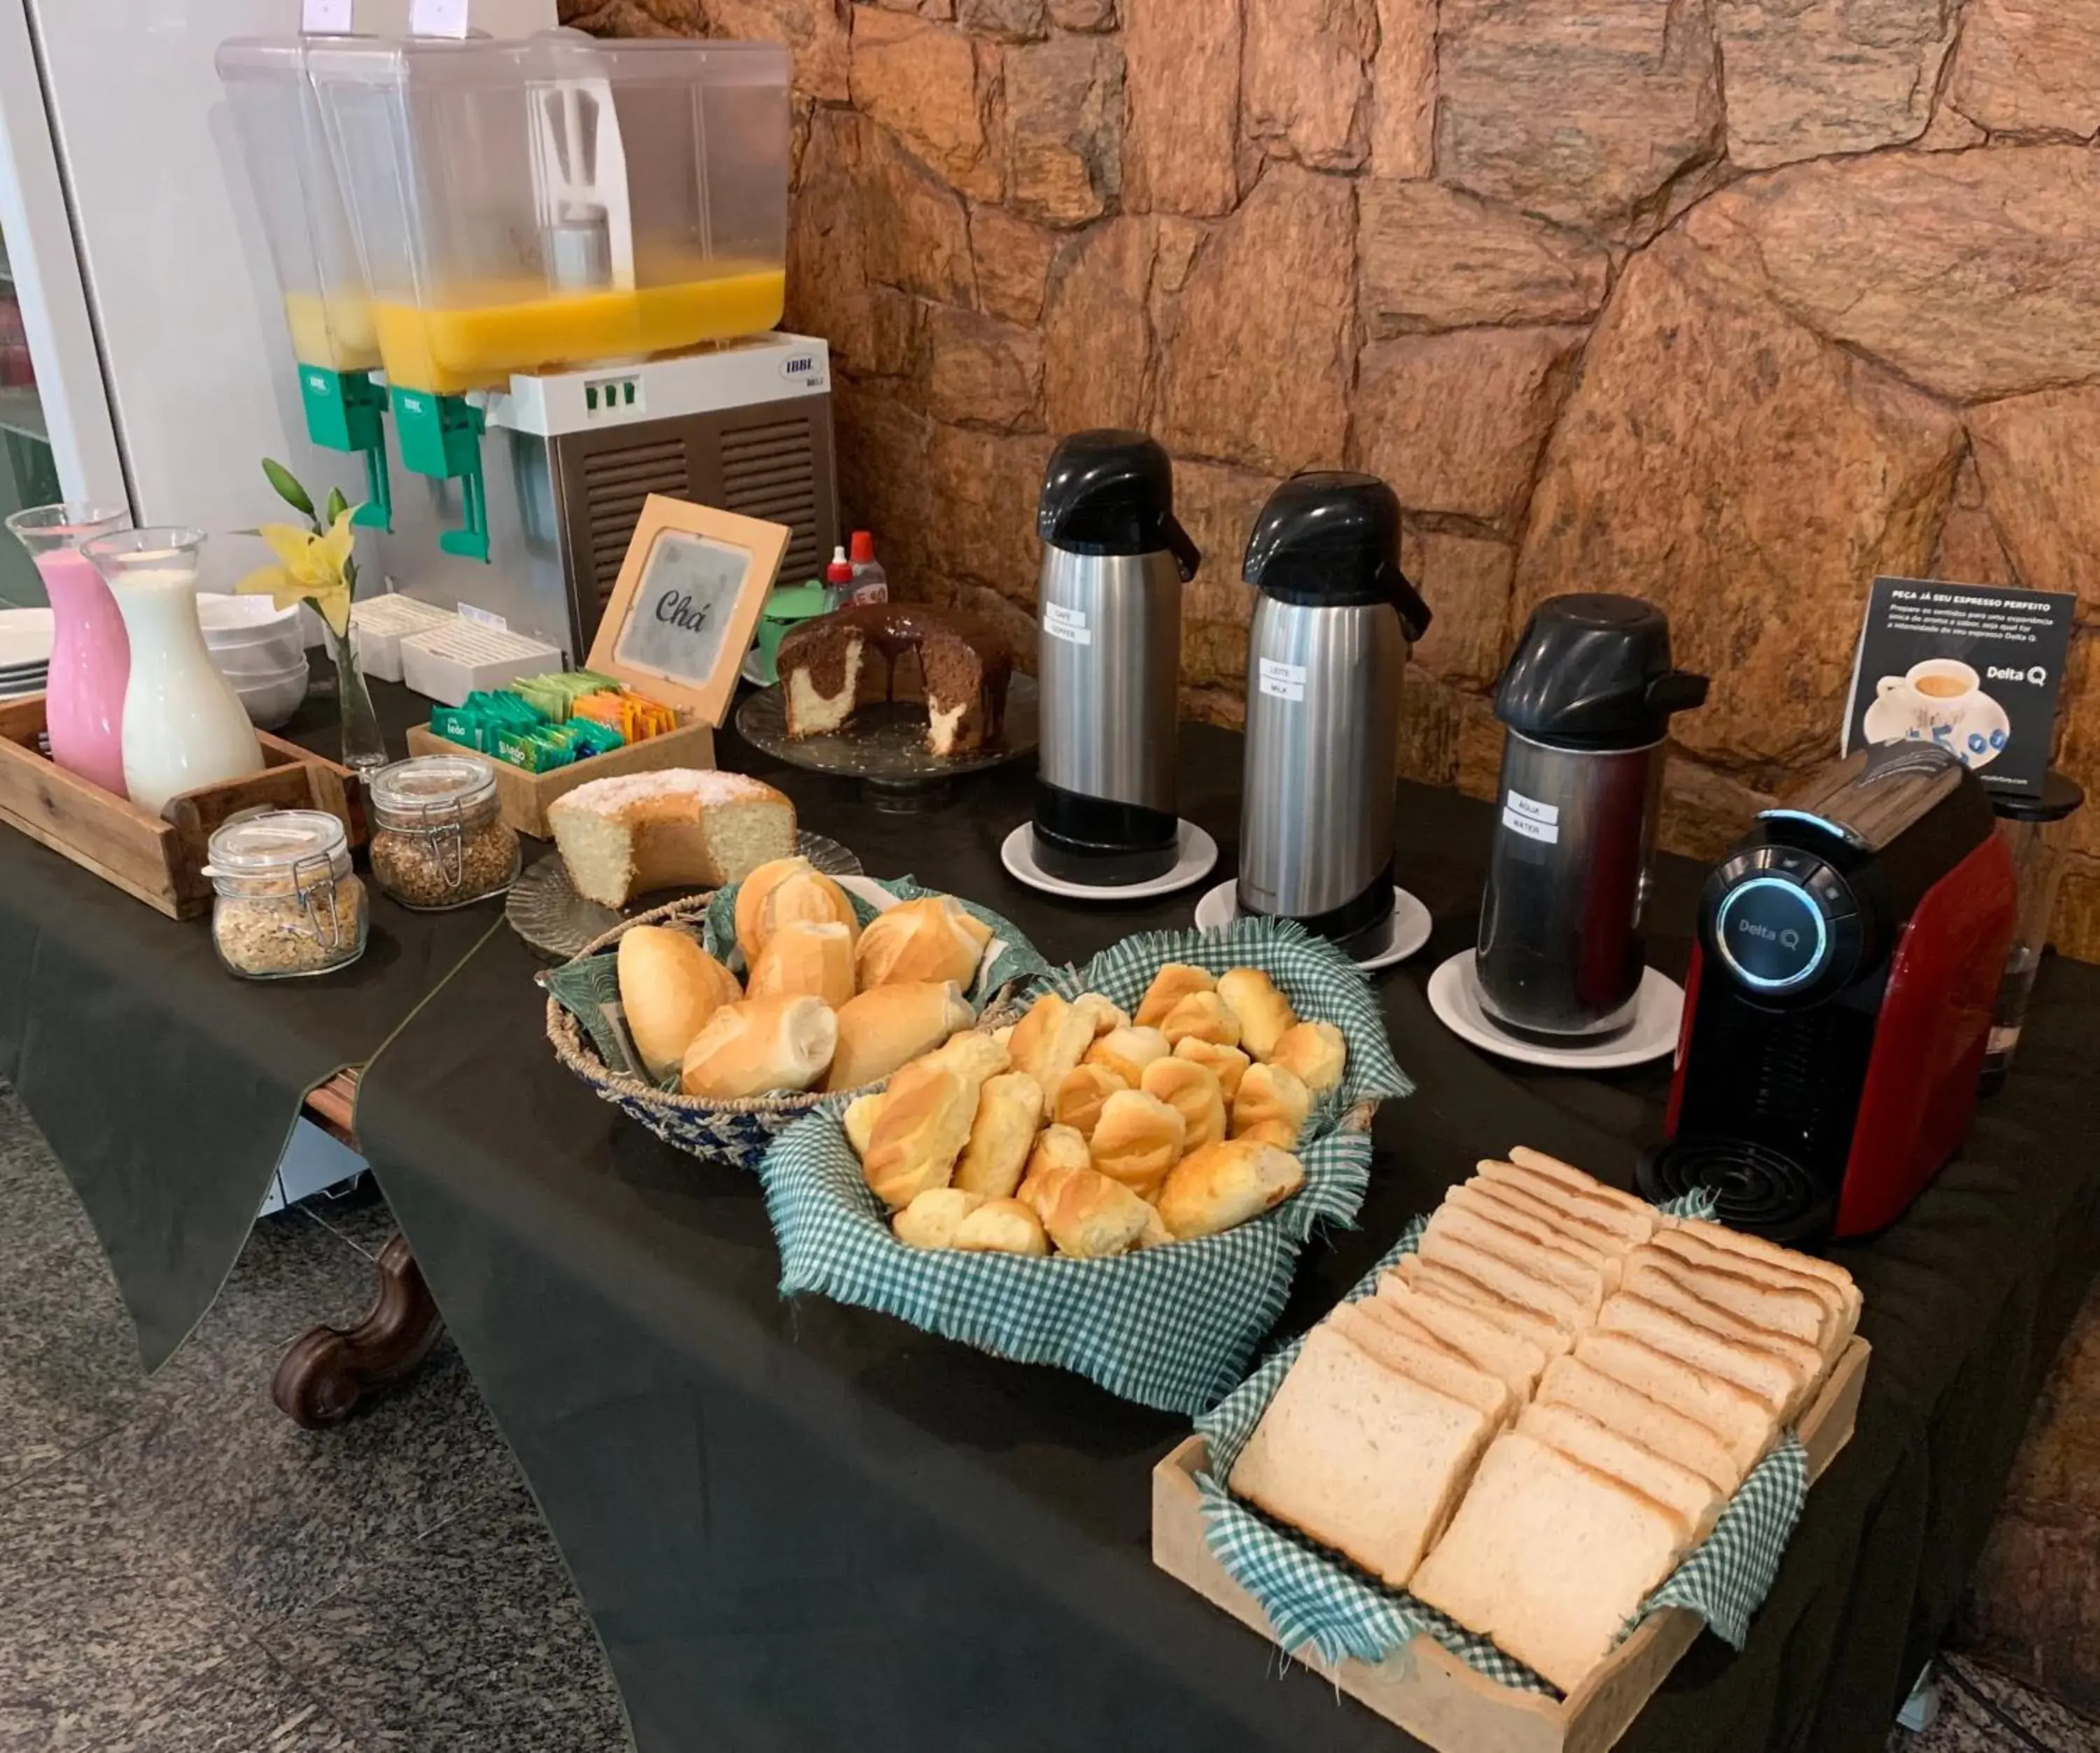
(1809, 968)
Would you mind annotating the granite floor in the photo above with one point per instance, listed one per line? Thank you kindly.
(182, 1571)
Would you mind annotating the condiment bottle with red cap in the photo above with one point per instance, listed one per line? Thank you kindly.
(870, 584)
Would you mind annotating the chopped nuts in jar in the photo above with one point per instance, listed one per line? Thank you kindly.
(292, 932)
(438, 839)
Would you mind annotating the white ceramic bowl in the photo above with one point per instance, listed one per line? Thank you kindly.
(231, 620)
(271, 703)
(246, 664)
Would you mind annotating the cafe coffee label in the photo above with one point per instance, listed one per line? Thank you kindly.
(1975, 668)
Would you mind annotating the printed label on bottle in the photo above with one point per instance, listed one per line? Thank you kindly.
(437, 18)
(325, 18)
(1547, 813)
(1545, 832)
(483, 617)
(1283, 682)
(1068, 625)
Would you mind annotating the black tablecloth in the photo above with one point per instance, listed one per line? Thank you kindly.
(168, 1088)
(808, 1526)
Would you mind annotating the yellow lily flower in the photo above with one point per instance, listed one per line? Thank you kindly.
(310, 569)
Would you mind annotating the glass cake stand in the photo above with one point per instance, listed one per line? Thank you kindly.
(885, 746)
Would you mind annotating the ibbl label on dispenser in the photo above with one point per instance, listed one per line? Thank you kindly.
(1530, 818)
(1283, 682)
(1068, 625)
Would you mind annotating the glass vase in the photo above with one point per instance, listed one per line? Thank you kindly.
(364, 744)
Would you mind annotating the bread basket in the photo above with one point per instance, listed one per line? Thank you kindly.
(741, 1131)
(1170, 1326)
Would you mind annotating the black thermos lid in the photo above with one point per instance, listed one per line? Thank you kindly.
(2060, 796)
(1109, 491)
(1330, 538)
(1594, 672)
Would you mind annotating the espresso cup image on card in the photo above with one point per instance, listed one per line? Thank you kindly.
(1939, 700)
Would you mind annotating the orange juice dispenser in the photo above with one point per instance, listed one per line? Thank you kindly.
(547, 204)
(306, 225)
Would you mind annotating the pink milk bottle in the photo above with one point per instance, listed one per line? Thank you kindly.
(90, 654)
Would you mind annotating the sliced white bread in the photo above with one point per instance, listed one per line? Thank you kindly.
(1519, 1360)
(1391, 1317)
(1510, 1197)
(1763, 1373)
(1583, 1279)
(1359, 1457)
(1806, 1359)
(1581, 1180)
(1513, 1283)
(1679, 1241)
(1694, 1499)
(1461, 1288)
(1550, 1557)
(1744, 1423)
(1561, 1237)
(1795, 1312)
(1787, 1259)
(1569, 1382)
(1488, 1395)
(1635, 1226)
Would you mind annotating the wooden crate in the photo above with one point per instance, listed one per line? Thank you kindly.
(1428, 1691)
(526, 795)
(158, 858)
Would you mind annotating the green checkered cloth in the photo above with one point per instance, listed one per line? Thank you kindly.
(1314, 1596)
(1170, 1326)
(588, 986)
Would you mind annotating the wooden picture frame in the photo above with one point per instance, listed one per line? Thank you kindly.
(690, 591)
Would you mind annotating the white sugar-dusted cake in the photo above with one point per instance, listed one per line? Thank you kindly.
(625, 836)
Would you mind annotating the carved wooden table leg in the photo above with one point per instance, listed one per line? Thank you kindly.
(328, 1371)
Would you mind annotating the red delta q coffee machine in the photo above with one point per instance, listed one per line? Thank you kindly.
(1839, 998)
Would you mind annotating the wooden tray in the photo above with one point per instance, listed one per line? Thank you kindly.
(1428, 1691)
(526, 795)
(158, 858)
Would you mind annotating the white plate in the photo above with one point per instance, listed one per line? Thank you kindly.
(1407, 928)
(1199, 852)
(1454, 994)
(25, 637)
(753, 669)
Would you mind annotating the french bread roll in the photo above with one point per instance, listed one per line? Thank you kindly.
(858, 1120)
(1057, 1147)
(1273, 1101)
(974, 1054)
(932, 1219)
(1205, 1017)
(805, 898)
(669, 986)
(1088, 1215)
(1127, 1052)
(1315, 1051)
(1229, 1063)
(1225, 1184)
(1174, 981)
(1047, 1042)
(1009, 1109)
(889, 1024)
(807, 957)
(1136, 1140)
(922, 1128)
(934, 938)
(751, 902)
(1262, 1012)
(1192, 1089)
(1081, 1096)
(760, 1047)
(1002, 1226)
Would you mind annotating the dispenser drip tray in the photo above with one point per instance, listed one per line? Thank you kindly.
(1398, 936)
(1196, 853)
(1759, 1191)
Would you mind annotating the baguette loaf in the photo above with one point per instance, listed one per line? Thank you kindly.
(934, 938)
(1695, 1499)
(1572, 1383)
(1262, 1012)
(1272, 1104)
(669, 987)
(1202, 1017)
(1088, 1216)
(1193, 1090)
(806, 957)
(759, 1048)
(1225, 1184)
(1228, 1063)
(1083, 1094)
(1314, 1052)
(1127, 1052)
(1742, 1422)
(933, 1217)
(1002, 1226)
(1174, 981)
(889, 1024)
(1359, 1457)
(1009, 1109)
(1398, 1350)
(1136, 1140)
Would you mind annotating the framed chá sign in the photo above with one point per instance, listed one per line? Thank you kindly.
(682, 615)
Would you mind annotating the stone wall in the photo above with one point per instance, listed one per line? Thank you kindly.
(1732, 303)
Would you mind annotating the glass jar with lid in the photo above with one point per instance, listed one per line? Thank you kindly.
(438, 839)
(285, 900)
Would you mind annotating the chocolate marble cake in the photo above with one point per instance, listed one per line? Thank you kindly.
(965, 662)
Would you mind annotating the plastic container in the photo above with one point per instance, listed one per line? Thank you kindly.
(438, 839)
(2034, 830)
(557, 201)
(869, 583)
(305, 220)
(285, 902)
